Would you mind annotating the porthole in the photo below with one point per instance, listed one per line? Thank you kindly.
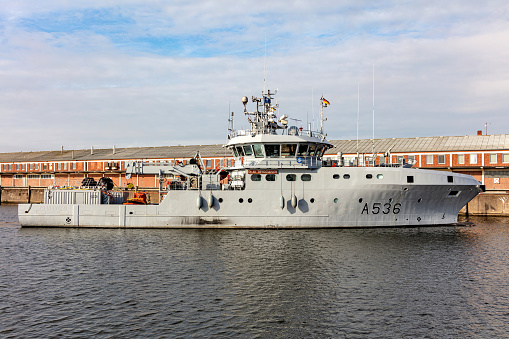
(305, 177)
(419, 200)
(291, 177)
(312, 200)
(335, 200)
(346, 176)
(256, 177)
(360, 200)
(241, 200)
(249, 200)
(336, 176)
(369, 176)
(379, 176)
(220, 199)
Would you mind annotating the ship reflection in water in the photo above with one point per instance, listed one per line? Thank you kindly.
(396, 282)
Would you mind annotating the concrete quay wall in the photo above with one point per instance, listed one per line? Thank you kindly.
(493, 204)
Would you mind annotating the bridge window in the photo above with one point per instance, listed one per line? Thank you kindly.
(248, 150)
(303, 150)
(311, 150)
(319, 151)
(240, 151)
(272, 151)
(235, 152)
(258, 150)
(288, 150)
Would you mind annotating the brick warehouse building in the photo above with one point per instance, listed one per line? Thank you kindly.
(486, 157)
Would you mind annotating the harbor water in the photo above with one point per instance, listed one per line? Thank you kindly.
(426, 282)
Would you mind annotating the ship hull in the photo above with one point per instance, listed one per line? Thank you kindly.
(369, 197)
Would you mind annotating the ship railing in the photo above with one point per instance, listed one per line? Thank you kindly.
(274, 163)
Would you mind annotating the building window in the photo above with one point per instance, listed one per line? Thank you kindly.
(47, 176)
(411, 159)
(493, 158)
(473, 158)
(33, 176)
(441, 159)
(65, 166)
(18, 176)
(429, 159)
(460, 159)
(74, 165)
(505, 157)
(207, 163)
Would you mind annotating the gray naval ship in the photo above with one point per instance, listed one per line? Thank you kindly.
(279, 180)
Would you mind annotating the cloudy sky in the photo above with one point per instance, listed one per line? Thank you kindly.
(151, 73)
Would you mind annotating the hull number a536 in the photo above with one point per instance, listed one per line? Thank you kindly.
(379, 207)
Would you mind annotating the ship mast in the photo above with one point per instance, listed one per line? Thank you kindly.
(323, 103)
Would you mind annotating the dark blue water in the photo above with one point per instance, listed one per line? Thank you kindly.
(430, 282)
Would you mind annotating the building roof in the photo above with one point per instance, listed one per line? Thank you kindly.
(467, 143)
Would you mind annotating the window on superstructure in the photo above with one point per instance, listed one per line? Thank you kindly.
(305, 177)
(256, 177)
(235, 152)
(258, 150)
(303, 150)
(473, 158)
(288, 150)
(441, 159)
(319, 151)
(493, 158)
(248, 151)
(291, 177)
(272, 151)
(240, 151)
(270, 177)
(460, 159)
(311, 150)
